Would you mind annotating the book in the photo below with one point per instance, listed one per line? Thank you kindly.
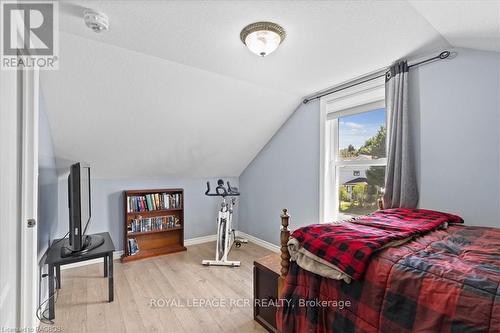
(157, 201)
(133, 246)
(153, 224)
(153, 201)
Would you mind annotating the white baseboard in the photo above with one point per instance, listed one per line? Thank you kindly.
(118, 254)
(200, 240)
(258, 241)
(187, 242)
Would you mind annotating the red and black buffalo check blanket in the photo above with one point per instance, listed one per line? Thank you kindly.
(350, 245)
(446, 281)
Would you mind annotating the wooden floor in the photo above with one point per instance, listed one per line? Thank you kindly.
(82, 302)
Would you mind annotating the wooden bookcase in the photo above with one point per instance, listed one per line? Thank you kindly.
(153, 239)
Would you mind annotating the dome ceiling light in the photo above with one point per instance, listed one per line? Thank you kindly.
(262, 38)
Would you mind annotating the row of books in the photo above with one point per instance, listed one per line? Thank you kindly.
(154, 201)
(133, 246)
(153, 223)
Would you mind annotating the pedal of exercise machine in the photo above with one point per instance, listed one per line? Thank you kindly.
(239, 241)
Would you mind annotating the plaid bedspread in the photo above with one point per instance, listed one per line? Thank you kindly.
(350, 245)
(445, 282)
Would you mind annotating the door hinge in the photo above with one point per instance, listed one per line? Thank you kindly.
(31, 223)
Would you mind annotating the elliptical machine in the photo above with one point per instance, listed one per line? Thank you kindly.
(225, 232)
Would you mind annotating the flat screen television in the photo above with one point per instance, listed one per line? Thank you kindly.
(80, 212)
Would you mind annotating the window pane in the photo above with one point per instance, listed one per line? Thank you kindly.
(362, 136)
(359, 189)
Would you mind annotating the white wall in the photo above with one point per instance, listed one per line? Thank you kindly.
(200, 211)
(457, 111)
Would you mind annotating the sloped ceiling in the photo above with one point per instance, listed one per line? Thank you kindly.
(171, 91)
(472, 24)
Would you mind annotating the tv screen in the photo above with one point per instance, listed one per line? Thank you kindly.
(79, 204)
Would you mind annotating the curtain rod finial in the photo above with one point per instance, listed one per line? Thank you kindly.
(444, 54)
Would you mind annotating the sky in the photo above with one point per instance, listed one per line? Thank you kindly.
(358, 128)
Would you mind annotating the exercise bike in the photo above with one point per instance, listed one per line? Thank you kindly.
(225, 232)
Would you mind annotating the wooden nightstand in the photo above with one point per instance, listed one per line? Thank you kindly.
(266, 272)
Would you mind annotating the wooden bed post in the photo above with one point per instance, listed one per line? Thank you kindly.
(285, 255)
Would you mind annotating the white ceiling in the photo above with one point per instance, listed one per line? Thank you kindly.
(464, 23)
(130, 114)
(171, 91)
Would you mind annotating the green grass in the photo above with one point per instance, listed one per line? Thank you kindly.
(344, 206)
(350, 208)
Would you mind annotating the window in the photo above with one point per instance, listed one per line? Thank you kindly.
(354, 152)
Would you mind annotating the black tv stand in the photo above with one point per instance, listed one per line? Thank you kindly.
(91, 242)
(54, 260)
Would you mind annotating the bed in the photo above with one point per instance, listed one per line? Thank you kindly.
(442, 280)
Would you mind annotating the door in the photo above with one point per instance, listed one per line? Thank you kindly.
(10, 217)
(18, 198)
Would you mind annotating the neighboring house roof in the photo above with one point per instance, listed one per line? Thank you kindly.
(355, 181)
(360, 157)
(363, 157)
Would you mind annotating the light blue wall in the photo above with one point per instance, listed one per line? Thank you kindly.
(47, 183)
(200, 211)
(285, 174)
(47, 194)
(456, 104)
(455, 115)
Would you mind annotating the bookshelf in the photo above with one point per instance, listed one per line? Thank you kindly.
(154, 223)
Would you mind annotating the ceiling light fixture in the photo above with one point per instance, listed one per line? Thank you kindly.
(96, 21)
(262, 38)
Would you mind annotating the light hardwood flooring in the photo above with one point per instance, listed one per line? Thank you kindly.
(82, 304)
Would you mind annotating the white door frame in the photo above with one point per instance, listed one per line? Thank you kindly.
(10, 256)
(29, 198)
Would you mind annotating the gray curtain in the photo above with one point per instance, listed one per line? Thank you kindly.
(401, 181)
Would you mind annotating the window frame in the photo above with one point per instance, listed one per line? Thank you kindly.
(362, 98)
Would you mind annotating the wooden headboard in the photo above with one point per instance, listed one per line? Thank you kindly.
(285, 255)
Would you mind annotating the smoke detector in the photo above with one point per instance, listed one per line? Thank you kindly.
(96, 21)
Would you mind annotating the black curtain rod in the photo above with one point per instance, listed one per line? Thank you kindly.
(370, 77)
